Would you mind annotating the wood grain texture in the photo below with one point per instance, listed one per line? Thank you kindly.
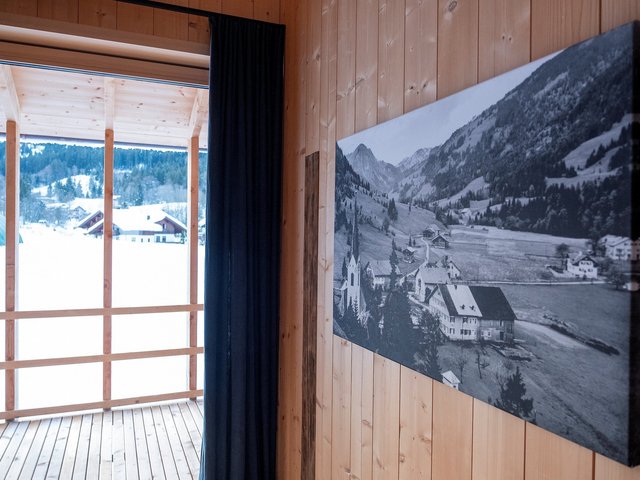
(107, 259)
(290, 352)
(618, 12)
(199, 26)
(504, 36)
(171, 24)
(361, 413)
(498, 444)
(457, 45)
(346, 76)
(416, 412)
(606, 469)
(238, 8)
(366, 64)
(550, 456)
(391, 59)
(22, 7)
(12, 207)
(313, 72)
(267, 10)
(386, 418)
(310, 314)
(452, 434)
(66, 10)
(341, 411)
(99, 13)
(557, 24)
(325, 387)
(133, 18)
(420, 53)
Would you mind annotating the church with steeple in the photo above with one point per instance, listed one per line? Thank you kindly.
(351, 291)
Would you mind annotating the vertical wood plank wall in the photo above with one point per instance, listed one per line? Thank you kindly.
(353, 64)
(349, 65)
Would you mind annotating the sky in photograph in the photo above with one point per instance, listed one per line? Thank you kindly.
(432, 125)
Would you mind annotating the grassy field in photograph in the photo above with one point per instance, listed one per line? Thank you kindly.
(578, 391)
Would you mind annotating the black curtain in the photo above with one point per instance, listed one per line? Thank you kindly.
(242, 260)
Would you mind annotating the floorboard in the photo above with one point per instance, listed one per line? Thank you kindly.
(161, 441)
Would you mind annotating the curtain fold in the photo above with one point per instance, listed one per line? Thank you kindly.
(242, 259)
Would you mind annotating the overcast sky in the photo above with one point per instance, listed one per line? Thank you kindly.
(432, 125)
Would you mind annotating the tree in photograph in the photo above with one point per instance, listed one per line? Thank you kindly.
(461, 361)
(400, 340)
(513, 397)
(427, 360)
(615, 277)
(345, 271)
(562, 251)
(392, 210)
(393, 260)
(481, 362)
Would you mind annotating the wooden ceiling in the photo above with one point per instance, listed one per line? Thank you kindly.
(70, 105)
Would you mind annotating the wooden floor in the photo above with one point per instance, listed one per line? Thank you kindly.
(138, 443)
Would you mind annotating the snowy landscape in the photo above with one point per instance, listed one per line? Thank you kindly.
(61, 265)
(486, 241)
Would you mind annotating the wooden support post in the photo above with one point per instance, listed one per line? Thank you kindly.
(107, 259)
(193, 190)
(11, 253)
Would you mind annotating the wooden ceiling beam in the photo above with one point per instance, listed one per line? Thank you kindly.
(8, 95)
(198, 112)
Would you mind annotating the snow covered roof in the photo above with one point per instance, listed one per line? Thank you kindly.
(613, 240)
(433, 275)
(450, 377)
(475, 301)
(138, 219)
(380, 267)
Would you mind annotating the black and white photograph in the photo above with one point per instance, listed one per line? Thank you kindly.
(486, 241)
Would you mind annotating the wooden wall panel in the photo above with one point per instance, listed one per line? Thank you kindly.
(361, 413)
(416, 412)
(420, 53)
(239, 8)
(21, 7)
(133, 18)
(341, 411)
(386, 418)
(498, 444)
(452, 434)
(550, 456)
(64, 10)
(199, 26)
(346, 80)
(366, 63)
(98, 13)
(504, 36)
(457, 45)
(314, 39)
(171, 24)
(267, 11)
(618, 12)
(391, 59)
(290, 351)
(556, 24)
(606, 469)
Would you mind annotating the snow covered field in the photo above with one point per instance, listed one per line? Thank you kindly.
(62, 269)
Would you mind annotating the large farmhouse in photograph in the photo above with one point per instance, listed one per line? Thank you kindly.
(138, 225)
(621, 248)
(472, 313)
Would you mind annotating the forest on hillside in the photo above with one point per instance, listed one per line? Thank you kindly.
(141, 176)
